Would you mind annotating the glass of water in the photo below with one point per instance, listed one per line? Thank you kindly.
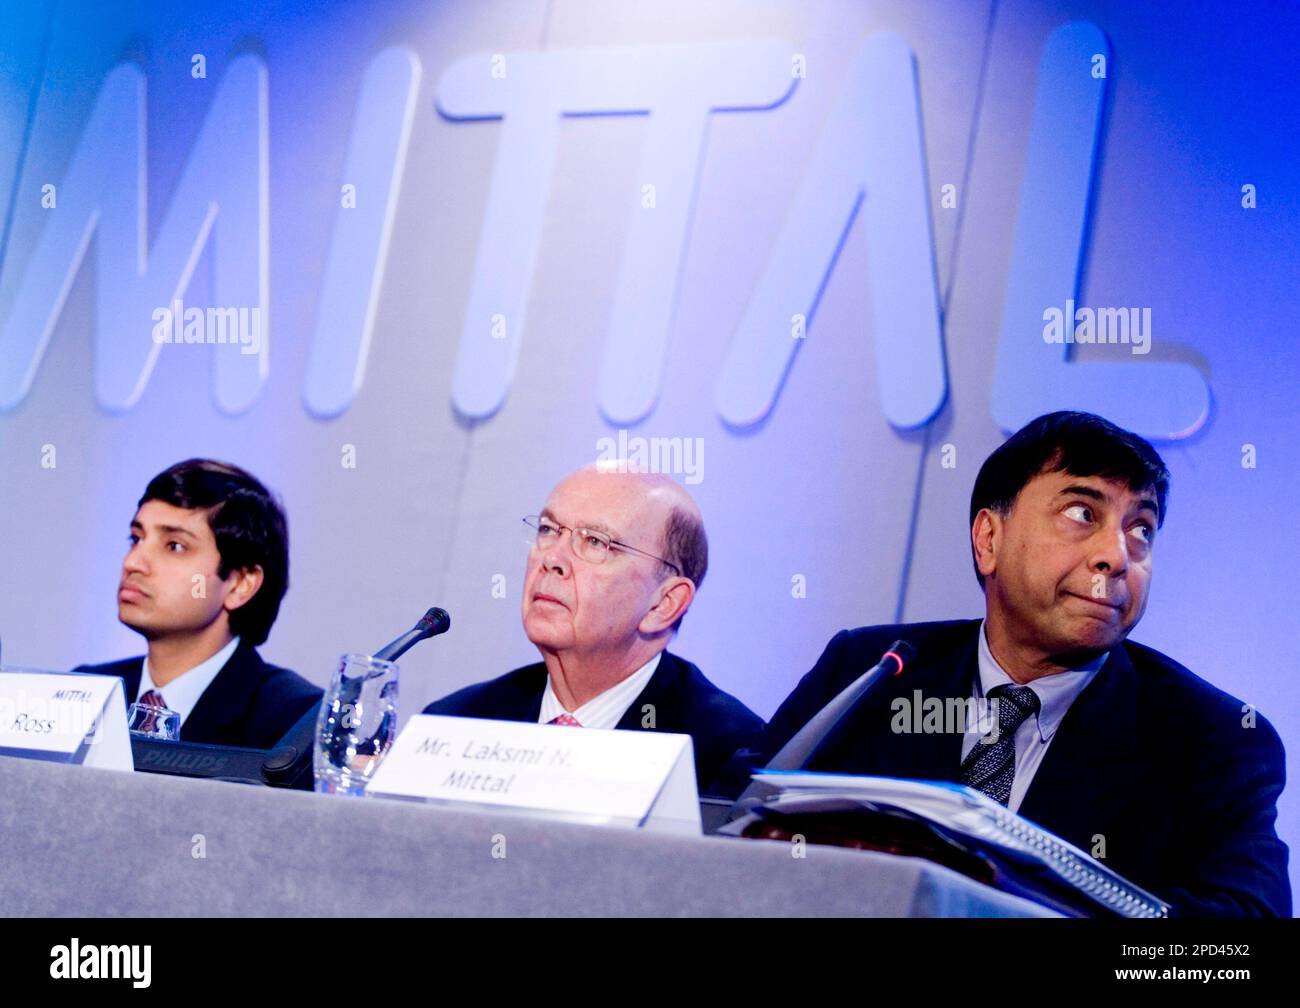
(151, 721)
(356, 725)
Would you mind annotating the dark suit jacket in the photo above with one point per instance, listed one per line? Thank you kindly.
(249, 703)
(684, 703)
(1150, 757)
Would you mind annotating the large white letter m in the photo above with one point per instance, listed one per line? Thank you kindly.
(222, 193)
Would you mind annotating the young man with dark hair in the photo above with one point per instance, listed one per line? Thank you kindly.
(202, 581)
(1107, 743)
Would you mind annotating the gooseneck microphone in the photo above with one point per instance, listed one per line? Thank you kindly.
(289, 763)
(803, 746)
(432, 623)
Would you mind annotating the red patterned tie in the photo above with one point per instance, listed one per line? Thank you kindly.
(566, 719)
(151, 698)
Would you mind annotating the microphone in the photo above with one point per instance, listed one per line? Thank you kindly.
(800, 750)
(434, 622)
(289, 762)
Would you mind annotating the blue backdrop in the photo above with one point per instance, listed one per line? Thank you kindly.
(808, 253)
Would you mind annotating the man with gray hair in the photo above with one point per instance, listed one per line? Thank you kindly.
(615, 563)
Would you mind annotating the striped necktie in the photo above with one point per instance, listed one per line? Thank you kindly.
(151, 698)
(991, 767)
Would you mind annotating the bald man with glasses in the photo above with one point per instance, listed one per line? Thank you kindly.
(615, 561)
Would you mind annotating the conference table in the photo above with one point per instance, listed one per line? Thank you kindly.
(85, 842)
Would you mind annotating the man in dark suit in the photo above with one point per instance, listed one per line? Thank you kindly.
(1107, 743)
(202, 582)
(615, 562)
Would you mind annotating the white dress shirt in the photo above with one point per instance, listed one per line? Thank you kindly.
(1035, 734)
(183, 692)
(606, 709)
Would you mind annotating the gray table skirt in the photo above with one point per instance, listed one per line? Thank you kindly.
(98, 843)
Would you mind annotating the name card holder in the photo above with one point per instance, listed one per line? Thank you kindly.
(64, 717)
(617, 778)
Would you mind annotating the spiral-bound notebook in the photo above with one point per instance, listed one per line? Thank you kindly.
(1030, 861)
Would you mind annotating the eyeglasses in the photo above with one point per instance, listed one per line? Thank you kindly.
(592, 546)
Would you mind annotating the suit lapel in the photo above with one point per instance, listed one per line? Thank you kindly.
(223, 706)
(131, 680)
(867, 741)
(942, 675)
(524, 701)
(1088, 778)
(657, 694)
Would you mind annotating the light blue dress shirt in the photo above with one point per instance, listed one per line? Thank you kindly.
(1055, 694)
(183, 692)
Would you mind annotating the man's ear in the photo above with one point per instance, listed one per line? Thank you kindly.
(244, 584)
(676, 595)
(986, 540)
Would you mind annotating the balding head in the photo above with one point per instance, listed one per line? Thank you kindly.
(633, 600)
(682, 541)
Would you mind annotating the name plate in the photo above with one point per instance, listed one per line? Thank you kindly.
(64, 718)
(619, 778)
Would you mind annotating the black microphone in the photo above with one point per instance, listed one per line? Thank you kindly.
(289, 763)
(800, 750)
(432, 623)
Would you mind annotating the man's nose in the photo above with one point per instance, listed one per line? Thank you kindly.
(1110, 553)
(135, 561)
(556, 564)
(559, 558)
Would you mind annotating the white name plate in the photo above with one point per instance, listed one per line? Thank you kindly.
(620, 778)
(64, 718)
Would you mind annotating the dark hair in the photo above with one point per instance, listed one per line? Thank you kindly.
(686, 546)
(1081, 444)
(249, 526)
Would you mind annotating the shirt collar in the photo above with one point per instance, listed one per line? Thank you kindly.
(1055, 692)
(183, 692)
(604, 710)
